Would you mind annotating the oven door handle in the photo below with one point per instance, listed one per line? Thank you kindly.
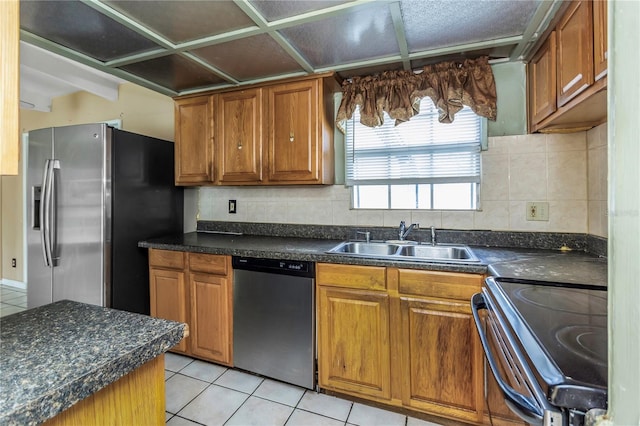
(525, 407)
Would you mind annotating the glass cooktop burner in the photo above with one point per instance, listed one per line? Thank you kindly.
(570, 323)
(566, 300)
(586, 341)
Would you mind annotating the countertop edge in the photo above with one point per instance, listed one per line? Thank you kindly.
(52, 403)
(320, 256)
(551, 265)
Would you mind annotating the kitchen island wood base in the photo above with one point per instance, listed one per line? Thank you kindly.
(135, 399)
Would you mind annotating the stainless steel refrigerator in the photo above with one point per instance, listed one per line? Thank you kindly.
(93, 192)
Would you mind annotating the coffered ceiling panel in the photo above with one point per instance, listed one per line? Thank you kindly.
(78, 27)
(434, 24)
(180, 22)
(188, 46)
(349, 37)
(175, 72)
(250, 58)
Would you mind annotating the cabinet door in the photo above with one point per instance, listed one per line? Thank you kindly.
(600, 52)
(239, 136)
(575, 51)
(542, 81)
(194, 140)
(293, 136)
(210, 317)
(441, 358)
(168, 294)
(353, 342)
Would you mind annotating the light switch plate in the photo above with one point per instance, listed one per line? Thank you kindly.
(537, 210)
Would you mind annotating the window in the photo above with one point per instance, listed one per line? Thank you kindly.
(420, 164)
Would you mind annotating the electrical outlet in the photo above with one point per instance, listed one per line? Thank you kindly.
(232, 206)
(13, 262)
(537, 210)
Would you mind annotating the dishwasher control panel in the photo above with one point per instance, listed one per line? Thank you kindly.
(289, 267)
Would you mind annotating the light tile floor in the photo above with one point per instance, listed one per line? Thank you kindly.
(201, 393)
(12, 300)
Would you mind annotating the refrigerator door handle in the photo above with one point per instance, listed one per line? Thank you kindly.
(44, 217)
(47, 216)
(53, 209)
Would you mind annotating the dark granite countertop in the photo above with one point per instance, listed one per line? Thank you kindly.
(537, 264)
(56, 355)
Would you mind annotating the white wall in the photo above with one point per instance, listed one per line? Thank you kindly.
(563, 169)
(624, 212)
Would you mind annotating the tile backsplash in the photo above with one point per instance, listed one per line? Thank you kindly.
(569, 171)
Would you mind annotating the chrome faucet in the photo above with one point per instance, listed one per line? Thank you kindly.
(403, 231)
(367, 235)
(433, 236)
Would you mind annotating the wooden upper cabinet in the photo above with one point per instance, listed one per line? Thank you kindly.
(239, 136)
(567, 83)
(293, 138)
(542, 86)
(272, 134)
(194, 140)
(575, 51)
(600, 49)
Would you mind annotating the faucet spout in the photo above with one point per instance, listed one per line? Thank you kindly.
(433, 236)
(403, 231)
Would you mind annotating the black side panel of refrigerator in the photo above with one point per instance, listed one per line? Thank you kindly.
(146, 204)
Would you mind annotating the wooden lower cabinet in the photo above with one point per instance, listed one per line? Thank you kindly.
(169, 295)
(210, 317)
(196, 289)
(408, 342)
(353, 334)
(441, 359)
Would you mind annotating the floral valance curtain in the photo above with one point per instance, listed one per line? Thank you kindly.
(451, 85)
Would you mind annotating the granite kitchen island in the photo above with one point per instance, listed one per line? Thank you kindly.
(72, 362)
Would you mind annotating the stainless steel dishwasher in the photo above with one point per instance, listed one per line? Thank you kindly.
(274, 319)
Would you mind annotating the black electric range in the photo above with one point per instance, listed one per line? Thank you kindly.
(554, 336)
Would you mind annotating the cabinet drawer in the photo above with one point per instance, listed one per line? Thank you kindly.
(210, 263)
(364, 277)
(447, 285)
(166, 259)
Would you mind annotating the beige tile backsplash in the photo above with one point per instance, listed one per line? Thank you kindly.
(569, 171)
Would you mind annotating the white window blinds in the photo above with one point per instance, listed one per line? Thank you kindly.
(422, 150)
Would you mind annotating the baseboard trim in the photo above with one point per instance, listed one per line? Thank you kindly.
(12, 283)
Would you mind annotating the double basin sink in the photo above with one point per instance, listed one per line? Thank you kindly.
(406, 251)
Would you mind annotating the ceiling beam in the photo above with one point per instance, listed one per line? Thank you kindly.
(259, 20)
(466, 47)
(398, 25)
(537, 25)
(129, 23)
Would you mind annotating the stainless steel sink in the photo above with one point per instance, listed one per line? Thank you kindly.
(441, 252)
(367, 249)
(406, 251)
